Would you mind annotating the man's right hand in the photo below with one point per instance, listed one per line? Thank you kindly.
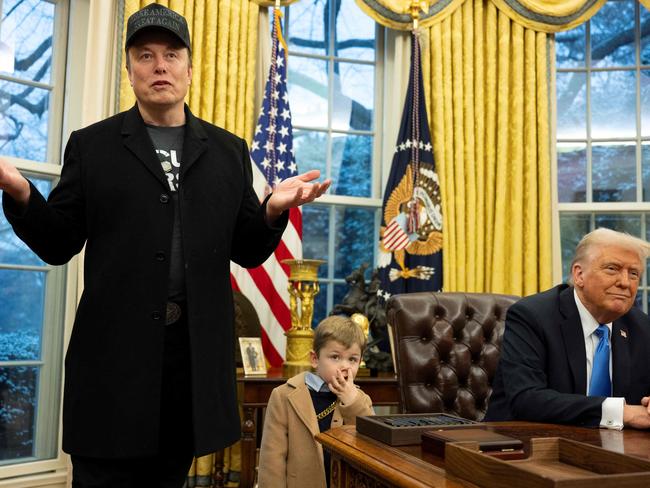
(636, 416)
(15, 184)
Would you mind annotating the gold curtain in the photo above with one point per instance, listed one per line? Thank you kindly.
(541, 15)
(224, 42)
(489, 101)
(645, 3)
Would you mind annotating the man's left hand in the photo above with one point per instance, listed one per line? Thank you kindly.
(295, 191)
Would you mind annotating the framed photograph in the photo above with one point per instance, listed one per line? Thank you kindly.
(252, 355)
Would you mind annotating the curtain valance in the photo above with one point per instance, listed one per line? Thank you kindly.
(541, 15)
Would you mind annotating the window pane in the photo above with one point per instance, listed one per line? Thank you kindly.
(311, 150)
(613, 104)
(17, 411)
(614, 172)
(645, 170)
(612, 35)
(571, 106)
(573, 227)
(320, 305)
(645, 40)
(22, 294)
(355, 239)
(26, 31)
(315, 234)
(353, 96)
(355, 32)
(629, 223)
(572, 172)
(308, 91)
(12, 249)
(24, 121)
(308, 23)
(351, 165)
(570, 48)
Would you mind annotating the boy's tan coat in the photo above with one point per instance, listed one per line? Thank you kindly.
(290, 455)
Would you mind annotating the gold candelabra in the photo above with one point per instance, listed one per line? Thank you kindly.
(303, 287)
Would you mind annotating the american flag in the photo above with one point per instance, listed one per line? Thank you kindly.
(273, 160)
(410, 243)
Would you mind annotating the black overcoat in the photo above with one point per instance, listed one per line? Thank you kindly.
(113, 197)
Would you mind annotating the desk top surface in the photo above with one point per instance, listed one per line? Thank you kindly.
(409, 466)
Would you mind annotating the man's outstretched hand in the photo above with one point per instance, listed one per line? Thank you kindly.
(12, 182)
(295, 191)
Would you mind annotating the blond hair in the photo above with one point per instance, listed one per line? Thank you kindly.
(341, 329)
(607, 237)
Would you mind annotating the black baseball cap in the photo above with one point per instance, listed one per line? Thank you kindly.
(158, 17)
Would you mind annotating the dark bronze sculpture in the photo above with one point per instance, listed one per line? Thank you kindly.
(363, 299)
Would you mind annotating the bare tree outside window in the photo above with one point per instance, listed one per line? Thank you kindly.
(29, 288)
(332, 66)
(603, 126)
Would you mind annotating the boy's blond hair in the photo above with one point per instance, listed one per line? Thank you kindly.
(341, 329)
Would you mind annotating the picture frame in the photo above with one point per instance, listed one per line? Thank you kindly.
(252, 356)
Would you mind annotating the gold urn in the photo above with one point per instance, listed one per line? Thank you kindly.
(303, 287)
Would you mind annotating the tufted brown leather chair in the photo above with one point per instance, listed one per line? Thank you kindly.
(447, 349)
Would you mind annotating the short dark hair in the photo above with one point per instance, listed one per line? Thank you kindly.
(341, 329)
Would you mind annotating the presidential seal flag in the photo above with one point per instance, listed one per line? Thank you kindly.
(273, 160)
(410, 241)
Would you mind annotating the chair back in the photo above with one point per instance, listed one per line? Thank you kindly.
(446, 347)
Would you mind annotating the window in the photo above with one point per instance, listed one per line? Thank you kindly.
(32, 60)
(603, 127)
(333, 70)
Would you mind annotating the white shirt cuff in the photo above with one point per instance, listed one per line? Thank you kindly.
(612, 413)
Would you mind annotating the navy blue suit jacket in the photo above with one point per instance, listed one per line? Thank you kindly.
(542, 371)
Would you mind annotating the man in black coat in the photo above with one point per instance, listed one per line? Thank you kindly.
(551, 341)
(162, 201)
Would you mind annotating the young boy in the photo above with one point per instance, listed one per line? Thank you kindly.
(311, 403)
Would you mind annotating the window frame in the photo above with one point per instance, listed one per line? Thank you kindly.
(60, 293)
(335, 202)
(589, 207)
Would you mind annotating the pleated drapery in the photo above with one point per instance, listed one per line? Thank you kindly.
(542, 15)
(224, 42)
(487, 87)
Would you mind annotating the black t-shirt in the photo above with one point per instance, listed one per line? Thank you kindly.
(168, 143)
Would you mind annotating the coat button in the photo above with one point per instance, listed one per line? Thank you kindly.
(164, 198)
(156, 315)
(160, 256)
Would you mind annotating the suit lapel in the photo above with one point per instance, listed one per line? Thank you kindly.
(620, 358)
(574, 340)
(137, 140)
(194, 144)
(301, 402)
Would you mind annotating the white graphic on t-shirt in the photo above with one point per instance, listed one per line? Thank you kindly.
(170, 165)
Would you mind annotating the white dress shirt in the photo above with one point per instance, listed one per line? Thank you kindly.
(612, 407)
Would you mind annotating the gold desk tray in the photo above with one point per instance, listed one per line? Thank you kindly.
(554, 462)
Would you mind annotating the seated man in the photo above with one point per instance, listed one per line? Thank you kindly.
(556, 364)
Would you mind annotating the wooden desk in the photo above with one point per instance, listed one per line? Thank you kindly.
(358, 461)
(256, 392)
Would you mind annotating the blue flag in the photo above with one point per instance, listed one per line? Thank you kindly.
(410, 242)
